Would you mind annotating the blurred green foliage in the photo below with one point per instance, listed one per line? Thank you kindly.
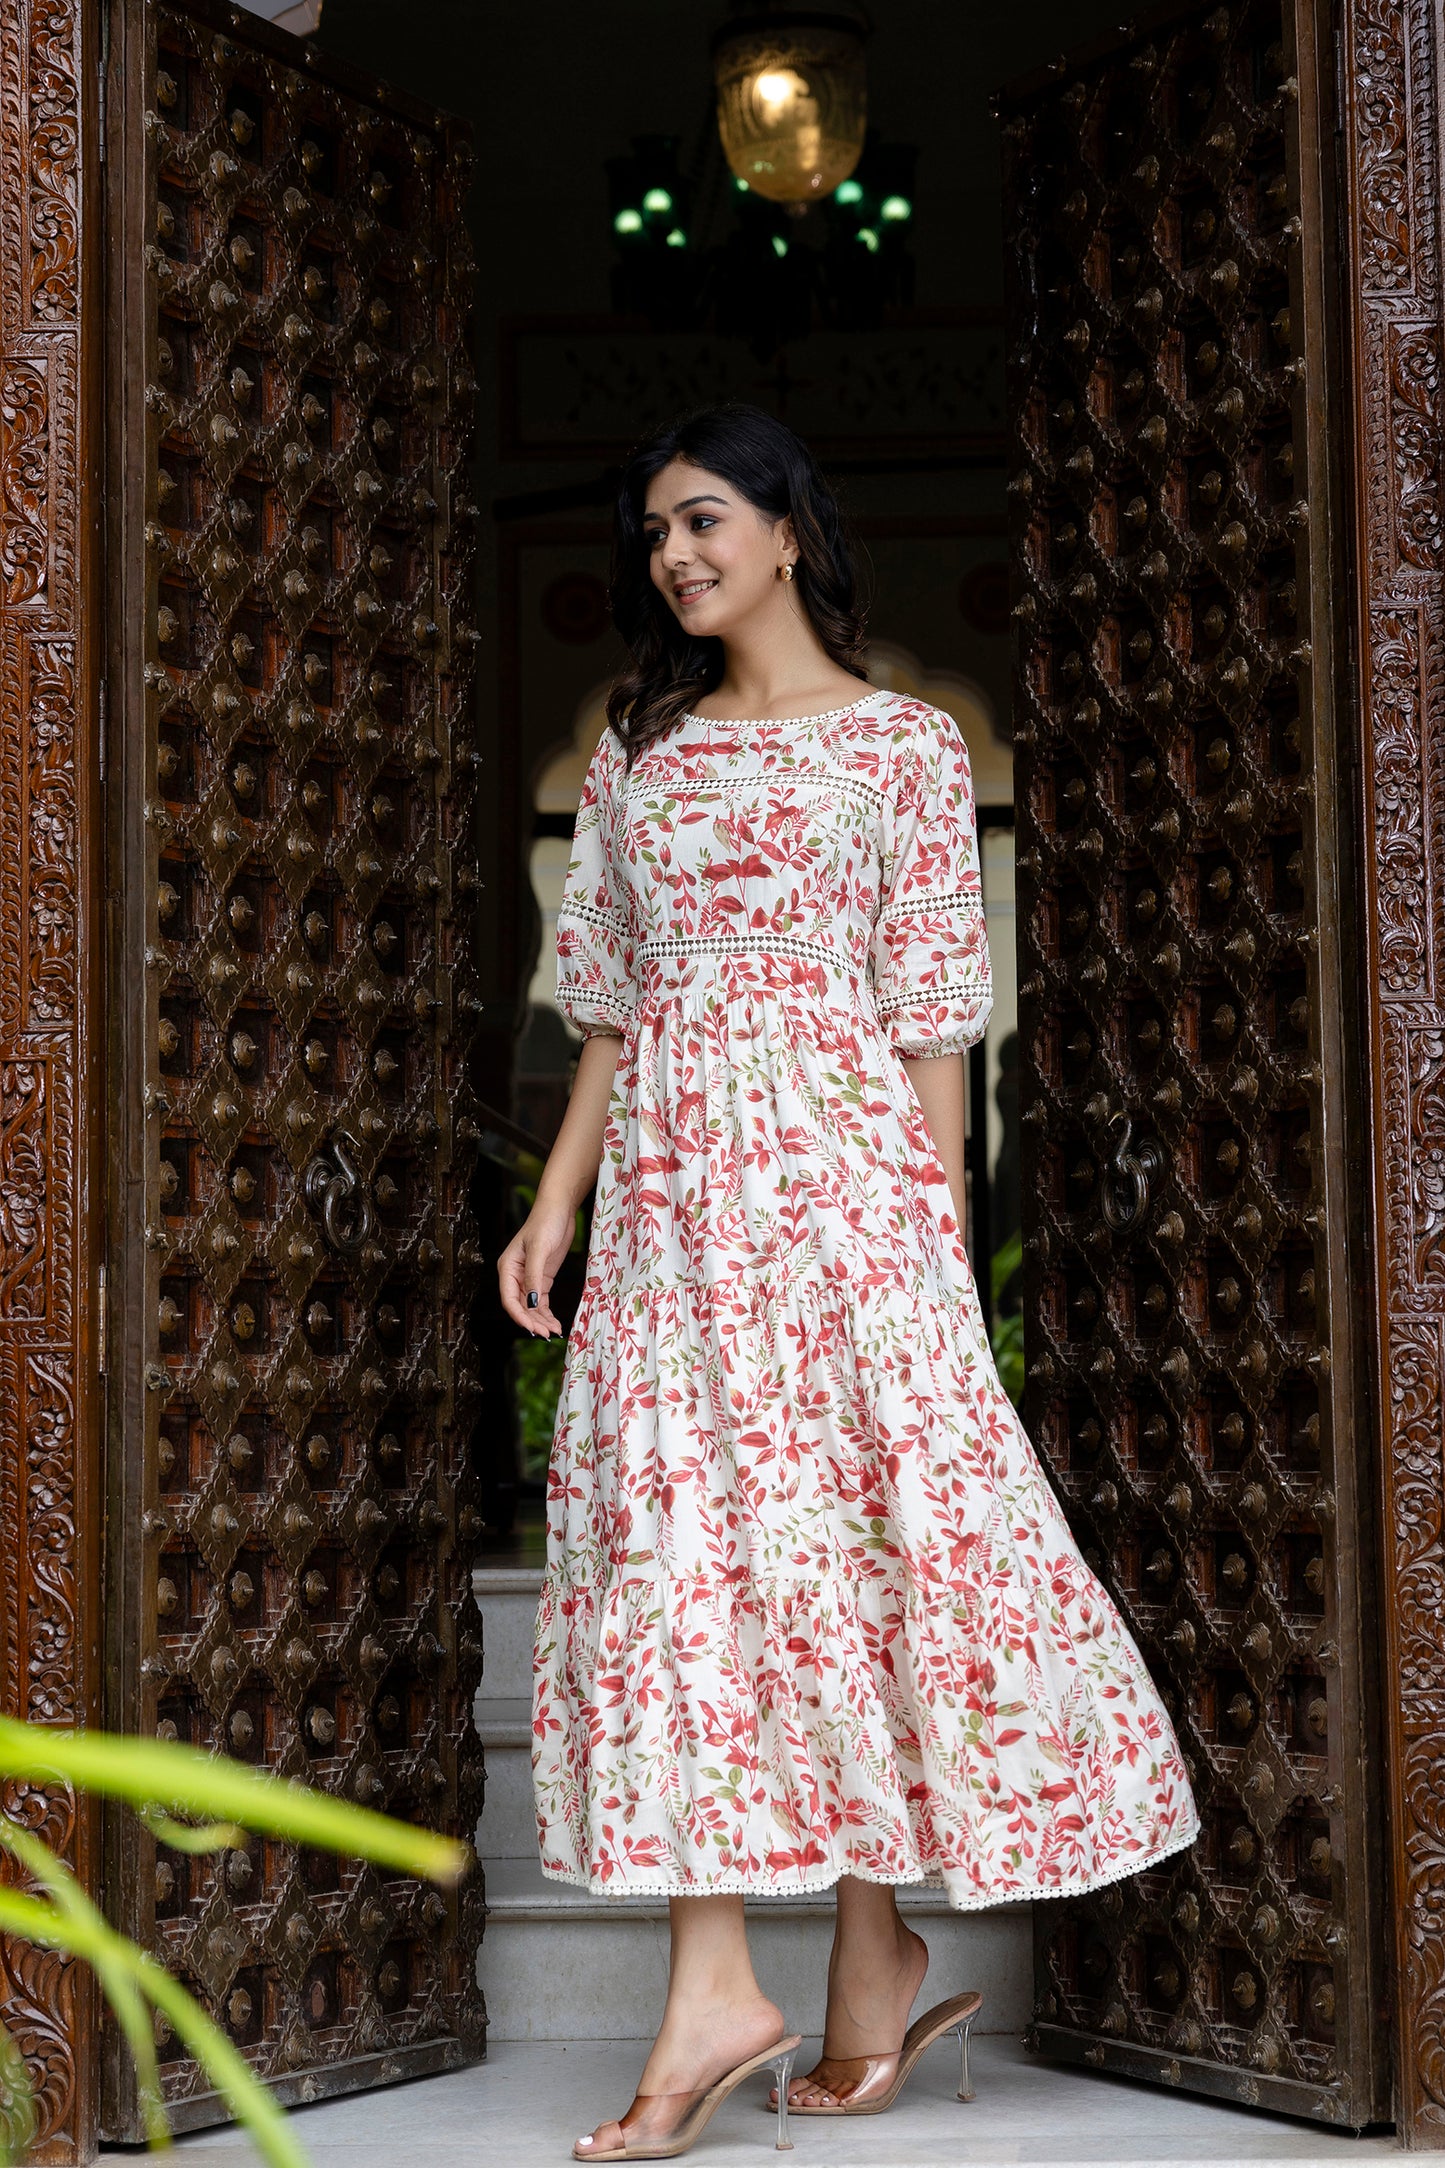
(221, 1800)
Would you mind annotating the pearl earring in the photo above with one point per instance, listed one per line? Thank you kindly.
(785, 572)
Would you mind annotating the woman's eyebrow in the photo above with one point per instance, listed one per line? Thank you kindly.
(686, 505)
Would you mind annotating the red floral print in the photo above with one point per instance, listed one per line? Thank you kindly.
(810, 1605)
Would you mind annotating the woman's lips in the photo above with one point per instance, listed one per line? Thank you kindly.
(693, 591)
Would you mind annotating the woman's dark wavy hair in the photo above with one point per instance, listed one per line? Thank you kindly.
(770, 466)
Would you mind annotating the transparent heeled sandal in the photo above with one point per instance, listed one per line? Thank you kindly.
(884, 2076)
(695, 2111)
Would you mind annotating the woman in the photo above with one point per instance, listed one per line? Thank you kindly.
(811, 1613)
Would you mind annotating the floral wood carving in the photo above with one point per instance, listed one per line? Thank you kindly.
(24, 481)
(23, 1172)
(52, 225)
(45, 1413)
(1400, 845)
(1384, 178)
(1392, 55)
(1415, 434)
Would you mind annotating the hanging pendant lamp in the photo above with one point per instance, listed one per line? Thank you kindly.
(792, 100)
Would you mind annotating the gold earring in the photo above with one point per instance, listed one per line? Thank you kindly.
(785, 572)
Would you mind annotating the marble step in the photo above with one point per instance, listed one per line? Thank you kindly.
(560, 1964)
(507, 1596)
(508, 1828)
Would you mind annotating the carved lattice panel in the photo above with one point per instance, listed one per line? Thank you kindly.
(293, 1382)
(1193, 1281)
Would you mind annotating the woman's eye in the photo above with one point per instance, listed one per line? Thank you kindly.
(702, 519)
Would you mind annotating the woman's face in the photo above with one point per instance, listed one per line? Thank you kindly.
(714, 557)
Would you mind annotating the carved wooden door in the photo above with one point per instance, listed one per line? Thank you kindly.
(1195, 1274)
(291, 776)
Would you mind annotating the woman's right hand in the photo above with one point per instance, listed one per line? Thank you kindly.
(533, 1257)
(531, 1262)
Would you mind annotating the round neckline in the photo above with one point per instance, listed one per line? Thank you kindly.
(771, 722)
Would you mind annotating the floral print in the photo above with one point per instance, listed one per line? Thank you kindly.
(810, 1606)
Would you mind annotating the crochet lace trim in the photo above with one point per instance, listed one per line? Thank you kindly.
(612, 921)
(778, 722)
(572, 994)
(733, 1885)
(706, 785)
(934, 899)
(932, 997)
(748, 944)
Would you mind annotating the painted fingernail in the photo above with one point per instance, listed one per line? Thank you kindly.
(533, 1299)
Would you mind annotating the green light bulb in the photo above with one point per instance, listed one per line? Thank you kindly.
(740, 184)
(627, 222)
(848, 192)
(658, 201)
(895, 207)
(780, 246)
(677, 238)
(869, 239)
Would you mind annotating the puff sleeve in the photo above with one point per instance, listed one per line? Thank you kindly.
(929, 961)
(594, 934)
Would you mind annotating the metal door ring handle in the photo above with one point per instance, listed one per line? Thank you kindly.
(338, 1195)
(1124, 1191)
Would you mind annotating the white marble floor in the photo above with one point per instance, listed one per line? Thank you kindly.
(523, 2107)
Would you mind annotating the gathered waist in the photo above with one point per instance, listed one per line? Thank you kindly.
(777, 963)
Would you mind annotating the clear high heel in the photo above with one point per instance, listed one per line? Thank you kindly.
(884, 2076)
(698, 2111)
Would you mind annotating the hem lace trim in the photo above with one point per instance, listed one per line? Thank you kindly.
(930, 1877)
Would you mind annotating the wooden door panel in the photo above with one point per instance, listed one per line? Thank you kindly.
(1191, 1042)
(292, 1508)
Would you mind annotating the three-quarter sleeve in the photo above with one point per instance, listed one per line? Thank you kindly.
(929, 958)
(594, 935)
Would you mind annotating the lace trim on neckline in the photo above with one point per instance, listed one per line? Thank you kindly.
(773, 722)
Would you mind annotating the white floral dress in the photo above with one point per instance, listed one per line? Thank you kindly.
(810, 1606)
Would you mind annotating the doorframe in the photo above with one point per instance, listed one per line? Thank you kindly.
(51, 1315)
(51, 1324)
(1388, 125)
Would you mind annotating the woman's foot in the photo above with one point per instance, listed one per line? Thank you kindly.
(703, 2037)
(874, 1974)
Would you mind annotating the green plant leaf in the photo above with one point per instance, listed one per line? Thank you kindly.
(537, 1372)
(189, 1836)
(17, 2104)
(56, 1878)
(35, 1921)
(184, 1780)
(1006, 1262)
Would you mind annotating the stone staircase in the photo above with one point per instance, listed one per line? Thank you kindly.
(559, 1964)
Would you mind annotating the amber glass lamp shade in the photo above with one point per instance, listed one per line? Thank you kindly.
(792, 103)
